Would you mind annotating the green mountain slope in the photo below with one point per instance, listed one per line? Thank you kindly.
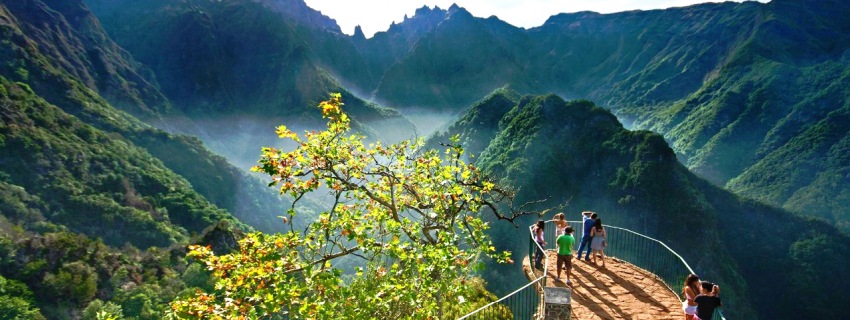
(98, 183)
(91, 182)
(736, 88)
(212, 176)
(769, 123)
(79, 46)
(217, 58)
(459, 45)
(580, 154)
(80, 179)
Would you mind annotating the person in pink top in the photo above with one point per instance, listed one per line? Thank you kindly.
(538, 237)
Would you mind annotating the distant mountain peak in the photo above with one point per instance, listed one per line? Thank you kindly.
(455, 11)
(427, 11)
(358, 33)
(570, 17)
(299, 11)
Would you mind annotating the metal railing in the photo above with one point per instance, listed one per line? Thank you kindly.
(524, 303)
(646, 253)
(642, 251)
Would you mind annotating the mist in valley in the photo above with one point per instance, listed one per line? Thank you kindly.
(240, 138)
(427, 121)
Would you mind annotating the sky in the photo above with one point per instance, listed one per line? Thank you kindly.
(377, 15)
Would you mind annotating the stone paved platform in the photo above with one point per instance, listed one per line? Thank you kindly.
(617, 291)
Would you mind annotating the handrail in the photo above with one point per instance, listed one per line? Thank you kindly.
(659, 242)
(649, 266)
(539, 280)
(501, 299)
(549, 234)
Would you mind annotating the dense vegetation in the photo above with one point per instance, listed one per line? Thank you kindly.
(81, 179)
(63, 275)
(65, 183)
(93, 183)
(579, 154)
(744, 92)
(50, 32)
(49, 78)
(413, 216)
(97, 206)
(236, 57)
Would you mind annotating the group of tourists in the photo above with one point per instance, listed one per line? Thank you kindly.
(594, 237)
(701, 298)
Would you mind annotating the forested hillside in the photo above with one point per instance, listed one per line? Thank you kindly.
(64, 183)
(81, 179)
(241, 57)
(49, 78)
(579, 154)
(751, 96)
(98, 201)
(66, 35)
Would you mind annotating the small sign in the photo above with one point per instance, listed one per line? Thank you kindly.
(557, 295)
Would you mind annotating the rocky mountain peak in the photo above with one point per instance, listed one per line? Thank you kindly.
(298, 10)
(358, 33)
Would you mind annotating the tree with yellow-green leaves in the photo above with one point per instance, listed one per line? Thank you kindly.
(413, 216)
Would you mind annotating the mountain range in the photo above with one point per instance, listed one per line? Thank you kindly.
(127, 128)
(751, 96)
(578, 154)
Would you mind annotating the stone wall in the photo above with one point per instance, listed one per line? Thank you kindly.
(558, 303)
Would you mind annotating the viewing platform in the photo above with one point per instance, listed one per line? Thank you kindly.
(619, 290)
(640, 280)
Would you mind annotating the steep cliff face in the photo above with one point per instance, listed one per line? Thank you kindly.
(297, 10)
(81, 178)
(71, 39)
(427, 76)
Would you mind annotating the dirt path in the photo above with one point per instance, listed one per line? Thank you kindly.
(617, 291)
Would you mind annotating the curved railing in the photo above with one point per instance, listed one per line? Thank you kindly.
(642, 251)
(523, 303)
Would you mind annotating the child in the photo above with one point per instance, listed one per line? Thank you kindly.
(707, 301)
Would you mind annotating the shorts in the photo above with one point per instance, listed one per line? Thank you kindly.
(689, 310)
(567, 260)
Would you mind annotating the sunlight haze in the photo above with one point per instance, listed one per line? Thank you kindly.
(377, 15)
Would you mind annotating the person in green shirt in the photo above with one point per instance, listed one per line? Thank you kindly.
(565, 252)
